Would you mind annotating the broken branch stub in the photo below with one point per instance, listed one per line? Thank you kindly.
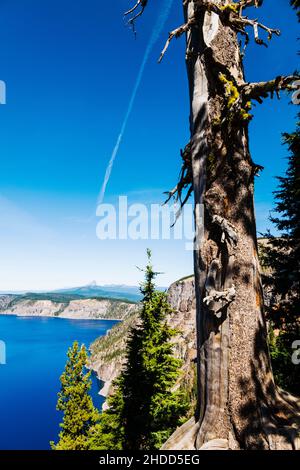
(220, 297)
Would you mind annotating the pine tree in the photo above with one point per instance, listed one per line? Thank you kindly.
(282, 255)
(144, 409)
(108, 434)
(283, 252)
(79, 413)
(296, 5)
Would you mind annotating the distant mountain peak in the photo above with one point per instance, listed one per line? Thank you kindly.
(92, 284)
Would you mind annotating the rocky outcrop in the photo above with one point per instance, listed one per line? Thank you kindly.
(181, 296)
(108, 352)
(75, 309)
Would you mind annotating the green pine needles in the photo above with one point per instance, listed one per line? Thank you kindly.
(75, 402)
(282, 255)
(146, 406)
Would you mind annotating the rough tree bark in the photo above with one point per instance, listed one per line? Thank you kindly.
(239, 404)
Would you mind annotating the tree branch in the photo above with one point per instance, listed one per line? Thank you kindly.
(216, 300)
(230, 15)
(185, 181)
(176, 33)
(255, 25)
(260, 90)
(185, 177)
(226, 297)
(141, 5)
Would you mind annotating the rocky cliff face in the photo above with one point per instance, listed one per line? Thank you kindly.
(108, 352)
(76, 309)
(5, 300)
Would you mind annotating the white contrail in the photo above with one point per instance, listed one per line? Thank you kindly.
(158, 27)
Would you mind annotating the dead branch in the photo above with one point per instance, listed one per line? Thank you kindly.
(141, 5)
(226, 297)
(260, 90)
(216, 300)
(185, 179)
(250, 3)
(255, 25)
(176, 34)
(230, 15)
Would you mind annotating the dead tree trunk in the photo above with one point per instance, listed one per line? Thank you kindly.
(239, 405)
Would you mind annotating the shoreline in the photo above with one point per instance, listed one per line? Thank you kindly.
(59, 317)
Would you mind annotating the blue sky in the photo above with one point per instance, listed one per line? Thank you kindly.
(70, 68)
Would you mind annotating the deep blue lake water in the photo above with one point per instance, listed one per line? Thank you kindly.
(36, 354)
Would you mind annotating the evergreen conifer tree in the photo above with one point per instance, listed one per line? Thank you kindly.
(296, 4)
(283, 252)
(79, 413)
(144, 409)
(282, 255)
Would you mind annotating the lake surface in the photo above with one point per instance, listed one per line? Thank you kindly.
(29, 382)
